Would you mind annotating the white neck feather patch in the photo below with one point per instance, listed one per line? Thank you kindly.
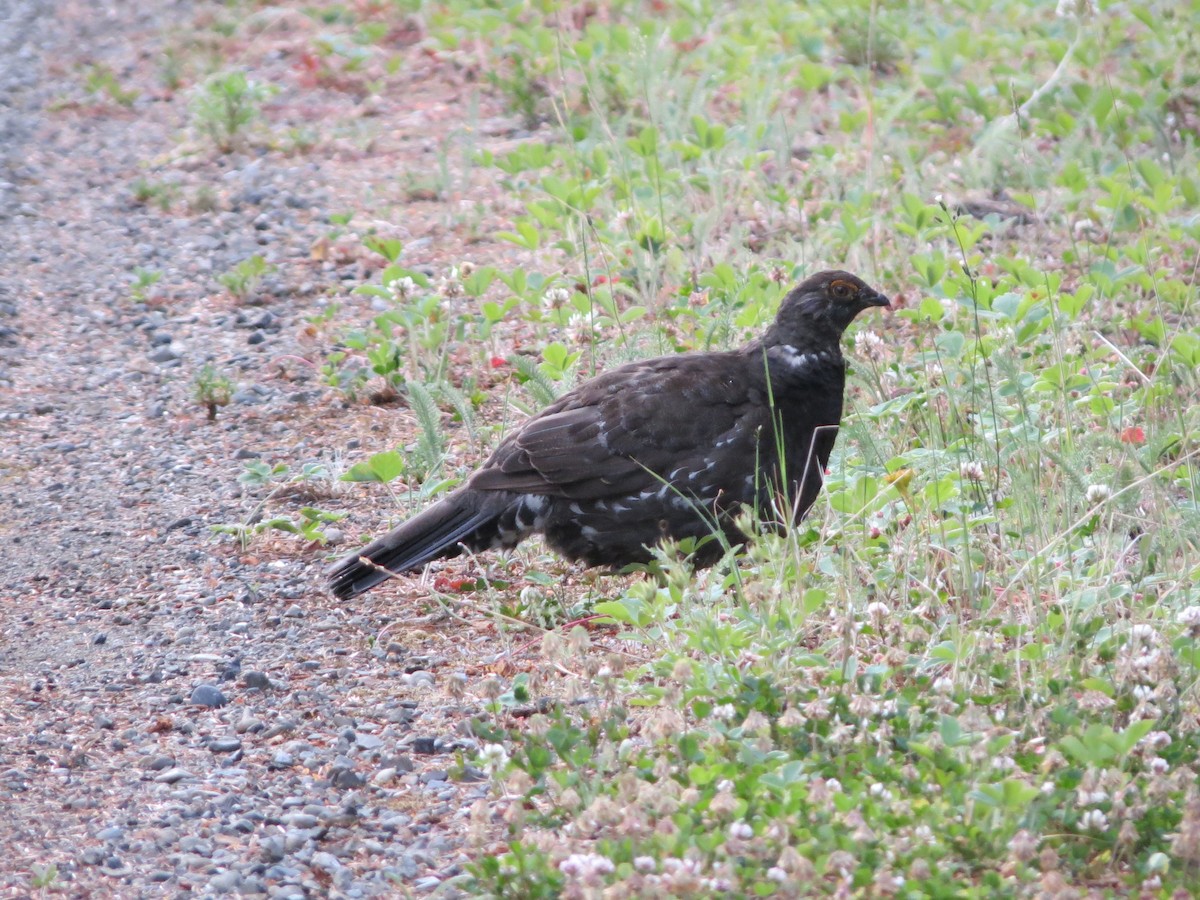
(796, 361)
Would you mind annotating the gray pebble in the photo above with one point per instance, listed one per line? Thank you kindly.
(166, 353)
(368, 742)
(257, 680)
(224, 745)
(326, 862)
(226, 882)
(426, 746)
(300, 820)
(172, 776)
(249, 724)
(271, 848)
(207, 695)
(282, 760)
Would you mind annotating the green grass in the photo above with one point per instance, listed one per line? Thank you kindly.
(973, 671)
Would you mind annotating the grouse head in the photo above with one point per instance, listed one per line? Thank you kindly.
(816, 312)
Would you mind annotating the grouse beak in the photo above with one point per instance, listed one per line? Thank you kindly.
(874, 298)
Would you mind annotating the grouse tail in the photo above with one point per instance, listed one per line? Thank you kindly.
(432, 534)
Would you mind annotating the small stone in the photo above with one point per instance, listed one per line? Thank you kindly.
(226, 882)
(172, 776)
(326, 862)
(426, 746)
(271, 848)
(283, 726)
(224, 745)
(166, 353)
(347, 779)
(113, 833)
(256, 680)
(282, 760)
(294, 612)
(300, 820)
(207, 695)
(368, 742)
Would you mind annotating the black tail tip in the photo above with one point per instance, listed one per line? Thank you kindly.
(351, 576)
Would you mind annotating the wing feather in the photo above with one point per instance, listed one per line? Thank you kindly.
(628, 430)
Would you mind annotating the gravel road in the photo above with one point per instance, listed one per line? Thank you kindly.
(177, 716)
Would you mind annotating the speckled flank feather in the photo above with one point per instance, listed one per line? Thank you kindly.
(666, 447)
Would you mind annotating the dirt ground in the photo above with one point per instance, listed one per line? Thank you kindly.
(330, 762)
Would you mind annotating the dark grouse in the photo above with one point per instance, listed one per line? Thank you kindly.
(663, 448)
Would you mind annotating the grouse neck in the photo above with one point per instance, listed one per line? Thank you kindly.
(812, 337)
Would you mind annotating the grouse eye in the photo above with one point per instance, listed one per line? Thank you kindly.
(841, 289)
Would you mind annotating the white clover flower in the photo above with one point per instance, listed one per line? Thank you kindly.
(971, 470)
(1157, 740)
(1144, 633)
(402, 288)
(1159, 766)
(725, 711)
(645, 863)
(587, 867)
(449, 286)
(741, 831)
(1093, 820)
(833, 786)
(1090, 798)
(943, 685)
(1083, 10)
(1190, 620)
(877, 610)
(494, 758)
(870, 345)
(777, 875)
(1098, 493)
(724, 786)
(557, 296)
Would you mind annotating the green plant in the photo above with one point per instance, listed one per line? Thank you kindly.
(45, 878)
(160, 194)
(225, 105)
(212, 389)
(244, 279)
(102, 80)
(308, 482)
(143, 280)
